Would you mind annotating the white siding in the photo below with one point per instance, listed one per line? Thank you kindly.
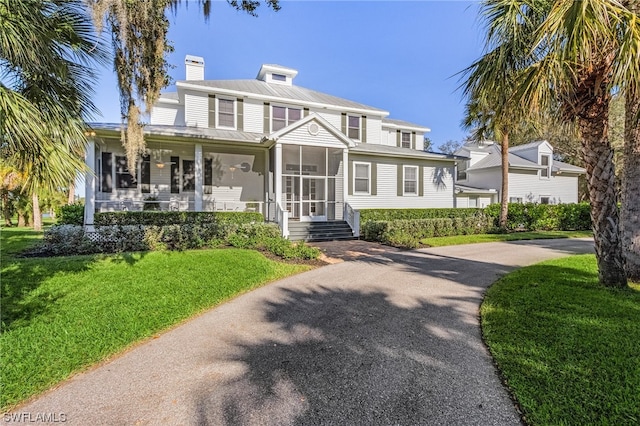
(374, 130)
(253, 116)
(196, 109)
(529, 187)
(437, 181)
(333, 117)
(301, 136)
(167, 114)
(388, 137)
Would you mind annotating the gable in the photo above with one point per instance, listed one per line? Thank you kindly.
(312, 130)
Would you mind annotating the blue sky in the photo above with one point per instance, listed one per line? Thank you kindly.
(401, 56)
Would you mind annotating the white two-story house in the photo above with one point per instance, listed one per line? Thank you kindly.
(271, 146)
(534, 175)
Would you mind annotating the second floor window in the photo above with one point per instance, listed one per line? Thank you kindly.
(544, 161)
(353, 127)
(406, 140)
(226, 113)
(283, 116)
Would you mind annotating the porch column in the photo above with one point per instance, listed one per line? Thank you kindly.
(277, 173)
(199, 178)
(345, 175)
(90, 185)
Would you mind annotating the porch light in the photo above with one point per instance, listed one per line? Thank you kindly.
(160, 164)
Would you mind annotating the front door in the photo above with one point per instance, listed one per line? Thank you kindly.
(313, 199)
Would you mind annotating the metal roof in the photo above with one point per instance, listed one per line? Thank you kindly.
(374, 149)
(473, 190)
(559, 166)
(282, 92)
(402, 123)
(494, 159)
(187, 132)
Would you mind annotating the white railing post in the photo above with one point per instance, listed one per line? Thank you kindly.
(356, 223)
(282, 217)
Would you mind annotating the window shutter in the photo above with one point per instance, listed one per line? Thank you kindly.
(364, 129)
(398, 139)
(374, 178)
(400, 180)
(420, 180)
(413, 140)
(212, 110)
(175, 175)
(344, 123)
(350, 177)
(267, 118)
(306, 112)
(240, 118)
(106, 178)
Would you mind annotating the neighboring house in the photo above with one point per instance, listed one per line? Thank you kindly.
(267, 145)
(534, 175)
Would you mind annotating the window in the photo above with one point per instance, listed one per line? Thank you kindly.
(283, 116)
(188, 175)
(405, 140)
(226, 113)
(544, 200)
(145, 174)
(279, 77)
(544, 161)
(106, 184)
(410, 180)
(175, 175)
(361, 178)
(515, 200)
(353, 127)
(123, 177)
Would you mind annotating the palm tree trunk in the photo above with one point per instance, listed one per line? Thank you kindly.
(598, 159)
(630, 211)
(37, 215)
(72, 192)
(504, 202)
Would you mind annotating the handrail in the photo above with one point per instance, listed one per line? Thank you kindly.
(282, 217)
(352, 217)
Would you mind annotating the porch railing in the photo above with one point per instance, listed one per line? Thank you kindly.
(352, 217)
(282, 217)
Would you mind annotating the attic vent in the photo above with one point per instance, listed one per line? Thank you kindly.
(279, 77)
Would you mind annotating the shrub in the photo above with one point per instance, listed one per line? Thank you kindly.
(552, 217)
(408, 233)
(160, 218)
(70, 214)
(367, 215)
(62, 240)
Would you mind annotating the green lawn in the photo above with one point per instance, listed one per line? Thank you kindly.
(514, 236)
(568, 348)
(60, 315)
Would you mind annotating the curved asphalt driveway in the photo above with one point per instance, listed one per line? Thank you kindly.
(391, 337)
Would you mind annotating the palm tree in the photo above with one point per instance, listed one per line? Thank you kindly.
(579, 52)
(46, 50)
(630, 210)
(493, 110)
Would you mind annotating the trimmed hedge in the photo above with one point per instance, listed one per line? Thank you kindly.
(72, 240)
(367, 215)
(408, 233)
(162, 218)
(547, 217)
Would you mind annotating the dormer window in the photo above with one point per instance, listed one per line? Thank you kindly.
(279, 77)
(226, 113)
(405, 140)
(353, 127)
(284, 116)
(545, 162)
